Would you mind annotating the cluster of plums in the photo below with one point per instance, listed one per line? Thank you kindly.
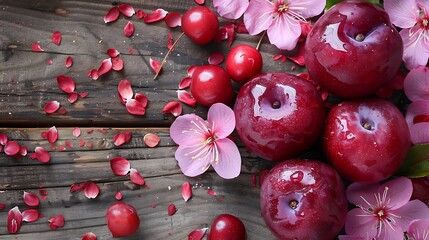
(352, 51)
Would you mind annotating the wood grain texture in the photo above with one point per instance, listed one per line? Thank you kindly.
(27, 82)
(157, 165)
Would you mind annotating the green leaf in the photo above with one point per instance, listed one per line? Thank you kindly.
(416, 163)
(331, 3)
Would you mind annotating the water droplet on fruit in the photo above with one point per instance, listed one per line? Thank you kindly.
(297, 176)
(350, 136)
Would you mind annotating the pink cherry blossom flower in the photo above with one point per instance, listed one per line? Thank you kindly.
(419, 230)
(384, 210)
(413, 17)
(204, 143)
(281, 19)
(231, 9)
(416, 84)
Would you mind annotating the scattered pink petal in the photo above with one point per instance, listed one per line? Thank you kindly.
(221, 35)
(49, 62)
(155, 16)
(280, 57)
(3, 139)
(77, 187)
(72, 97)
(298, 58)
(120, 166)
(129, 29)
(136, 178)
(230, 30)
(211, 192)
(14, 220)
(94, 74)
(52, 135)
(241, 28)
(11, 148)
(105, 66)
(42, 155)
(91, 190)
(172, 210)
(185, 83)
(216, 58)
(173, 107)
(89, 144)
(117, 63)
(36, 47)
(151, 139)
(56, 38)
(89, 236)
(22, 151)
(69, 62)
(2, 206)
(173, 19)
(43, 193)
(83, 94)
(135, 107)
(81, 143)
(186, 191)
(56, 222)
(61, 148)
(111, 15)
(197, 234)
(121, 138)
(191, 70)
(44, 135)
(66, 84)
(112, 52)
(51, 107)
(127, 10)
(118, 196)
(186, 98)
(125, 91)
(89, 130)
(141, 98)
(170, 41)
(30, 215)
(141, 14)
(201, 2)
(155, 65)
(31, 199)
(76, 132)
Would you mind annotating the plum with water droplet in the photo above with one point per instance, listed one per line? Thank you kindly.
(303, 200)
(366, 140)
(278, 115)
(353, 50)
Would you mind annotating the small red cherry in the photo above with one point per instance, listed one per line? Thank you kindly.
(122, 219)
(227, 227)
(211, 84)
(243, 62)
(200, 24)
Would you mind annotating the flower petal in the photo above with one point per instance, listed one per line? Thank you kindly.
(112, 52)
(221, 120)
(420, 133)
(399, 191)
(111, 15)
(216, 58)
(125, 90)
(11, 148)
(51, 107)
(135, 107)
(31, 199)
(418, 229)
(259, 16)
(141, 98)
(56, 222)
(136, 178)
(411, 211)
(185, 97)
(117, 63)
(201, 2)
(360, 193)
(105, 66)
(188, 129)
(141, 14)
(360, 224)
(77, 187)
(129, 29)
(121, 138)
(284, 32)
(173, 107)
(402, 13)
(127, 10)
(173, 19)
(30, 215)
(155, 16)
(42, 155)
(416, 84)
(171, 209)
(56, 38)
(91, 190)
(186, 191)
(231, 9)
(197, 234)
(306, 9)
(52, 135)
(189, 165)
(228, 165)
(3, 139)
(151, 139)
(66, 84)
(416, 108)
(416, 52)
(76, 132)
(89, 236)
(14, 220)
(391, 233)
(155, 65)
(36, 47)
(72, 97)
(120, 166)
(185, 83)
(69, 62)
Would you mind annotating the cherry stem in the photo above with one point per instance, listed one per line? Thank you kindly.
(166, 55)
(260, 40)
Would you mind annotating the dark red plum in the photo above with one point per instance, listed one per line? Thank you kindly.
(227, 227)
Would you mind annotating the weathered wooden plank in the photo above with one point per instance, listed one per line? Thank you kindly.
(27, 82)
